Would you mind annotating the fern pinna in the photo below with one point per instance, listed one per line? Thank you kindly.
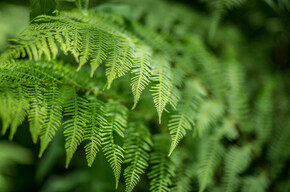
(75, 71)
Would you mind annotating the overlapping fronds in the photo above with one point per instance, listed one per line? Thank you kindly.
(137, 144)
(209, 87)
(117, 122)
(162, 168)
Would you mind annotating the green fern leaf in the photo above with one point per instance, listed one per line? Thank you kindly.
(119, 63)
(76, 108)
(210, 157)
(86, 49)
(94, 129)
(207, 116)
(162, 168)
(117, 122)
(7, 109)
(100, 53)
(38, 110)
(141, 70)
(183, 120)
(162, 75)
(137, 144)
(20, 112)
(54, 116)
(237, 160)
(257, 183)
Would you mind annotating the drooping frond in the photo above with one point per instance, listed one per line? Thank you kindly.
(120, 60)
(20, 112)
(94, 129)
(137, 145)
(162, 168)
(237, 98)
(141, 70)
(257, 183)
(38, 110)
(211, 71)
(75, 107)
(162, 76)
(236, 161)
(54, 116)
(211, 153)
(207, 116)
(116, 123)
(90, 38)
(7, 109)
(184, 119)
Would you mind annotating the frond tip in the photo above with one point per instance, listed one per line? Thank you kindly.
(141, 70)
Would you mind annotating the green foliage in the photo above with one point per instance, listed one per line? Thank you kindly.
(137, 145)
(162, 167)
(222, 110)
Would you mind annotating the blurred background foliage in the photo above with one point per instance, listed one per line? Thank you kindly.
(259, 29)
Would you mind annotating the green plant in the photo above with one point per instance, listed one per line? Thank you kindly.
(196, 114)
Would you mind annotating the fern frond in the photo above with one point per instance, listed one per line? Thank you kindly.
(94, 129)
(7, 108)
(236, 161)
(116, 123)
(219, 8)
(162, 75)
(237, 98)
(162, 168)
(207, 116)
(38, 110)
(86, 38)
(141, 70)
(185, 171)
(21, 110)
(184, 119)
(257, 183)
(137, 145)
(100, 52)
(211, 154)
(228, 130)
(76, 108)
(264, 113)
(54, 116)
(184, 181)
(120, 61)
